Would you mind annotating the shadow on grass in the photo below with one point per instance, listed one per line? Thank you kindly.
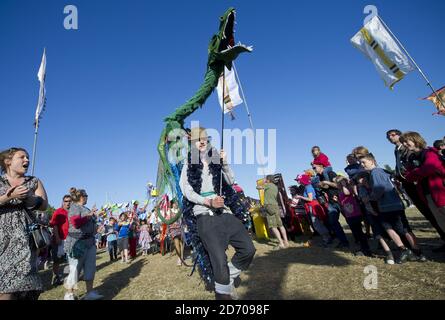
(119, 280)
(267, 273)
(105, 264)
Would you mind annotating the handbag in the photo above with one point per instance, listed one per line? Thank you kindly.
(41, 236)
(39, 233)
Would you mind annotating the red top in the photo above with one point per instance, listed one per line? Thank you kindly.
(316, 209)
(60, 219)
(433, 170)
(322, 159)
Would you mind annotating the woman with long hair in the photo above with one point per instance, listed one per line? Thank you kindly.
(20, 195)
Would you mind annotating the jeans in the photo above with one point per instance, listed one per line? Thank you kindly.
(112, 249)
(87, 262)
(333, 216)
(319, 226)
(326, 173)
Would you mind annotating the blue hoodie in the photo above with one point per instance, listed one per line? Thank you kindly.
(352, 169)
(384, 192)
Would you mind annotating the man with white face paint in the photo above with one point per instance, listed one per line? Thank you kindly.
(217, 226)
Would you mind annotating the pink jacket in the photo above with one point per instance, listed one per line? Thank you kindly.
(433, 170)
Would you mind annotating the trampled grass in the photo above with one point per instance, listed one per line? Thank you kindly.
(297, 272)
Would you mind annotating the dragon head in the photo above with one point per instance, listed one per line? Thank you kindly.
(222, 47)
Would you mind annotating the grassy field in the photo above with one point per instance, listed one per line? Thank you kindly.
(297, 272)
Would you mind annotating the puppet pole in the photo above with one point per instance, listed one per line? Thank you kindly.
(222, 127)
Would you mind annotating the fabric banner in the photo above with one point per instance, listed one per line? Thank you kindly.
(231, 91)
(375, 42)
(41, 75)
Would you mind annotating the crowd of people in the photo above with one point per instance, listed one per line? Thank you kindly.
(371, 199)
(76, 232)
(88, 231)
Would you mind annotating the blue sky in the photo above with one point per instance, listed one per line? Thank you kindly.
(111, 82)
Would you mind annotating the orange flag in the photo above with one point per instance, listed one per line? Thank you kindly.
(440, 106)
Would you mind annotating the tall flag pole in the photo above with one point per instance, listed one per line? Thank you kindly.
(428, 82)
(249, 115)
(41, 75)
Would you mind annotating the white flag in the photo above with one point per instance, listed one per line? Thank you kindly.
(381, 48)
(42, 92)
(231, 91)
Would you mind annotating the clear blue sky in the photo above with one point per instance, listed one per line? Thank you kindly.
(131, 63)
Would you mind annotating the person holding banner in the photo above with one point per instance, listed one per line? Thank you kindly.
(20, 195)
(204, 169)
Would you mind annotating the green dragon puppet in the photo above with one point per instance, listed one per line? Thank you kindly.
(222, 51)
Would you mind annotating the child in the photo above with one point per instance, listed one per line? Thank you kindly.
(111, 234)
(133, 238)
(144, 238)
(98, 237)
(353, 166)
(321, 158)
(313, 208)
(175, 232)
(124, 229)
(377, 228)
(353, 214)
(389, 208)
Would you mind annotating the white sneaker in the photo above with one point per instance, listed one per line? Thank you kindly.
(68, 296)
(234, 294)
(93, 295)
